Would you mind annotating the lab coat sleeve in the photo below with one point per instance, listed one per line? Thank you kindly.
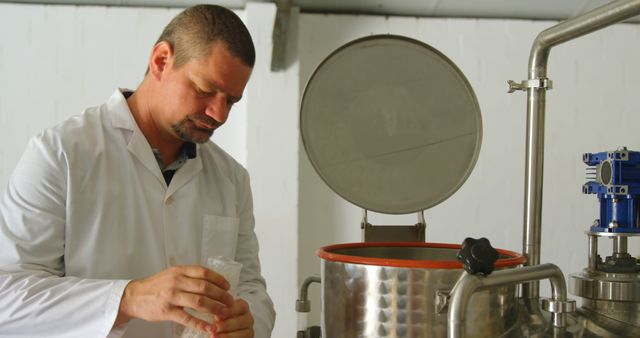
(37, 299)
(252, 286)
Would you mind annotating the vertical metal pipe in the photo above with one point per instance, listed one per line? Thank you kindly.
(619, 245)
(559, 319)
(593, 253)
(534, 164)
(598, 18)
(622, 245)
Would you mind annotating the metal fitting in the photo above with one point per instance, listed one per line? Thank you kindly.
(558, 306)
(442, 301)
(303, 304)
(543, 83)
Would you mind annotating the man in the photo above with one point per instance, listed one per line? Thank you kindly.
(108, 216)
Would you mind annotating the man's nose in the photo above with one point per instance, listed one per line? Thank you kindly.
(218, 108)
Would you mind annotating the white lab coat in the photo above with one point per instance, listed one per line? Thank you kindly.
(87, 210)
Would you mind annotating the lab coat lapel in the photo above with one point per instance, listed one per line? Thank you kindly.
(140, 148)
(190, 169)
(137, 144)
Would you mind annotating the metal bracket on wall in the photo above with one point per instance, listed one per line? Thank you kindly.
(543, 83)
(280, 30)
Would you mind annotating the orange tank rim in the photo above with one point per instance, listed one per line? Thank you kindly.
(326, 253)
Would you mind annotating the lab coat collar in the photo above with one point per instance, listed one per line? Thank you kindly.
(121, 117)
(119, 111)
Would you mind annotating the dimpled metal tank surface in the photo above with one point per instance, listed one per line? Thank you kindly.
(362, 300)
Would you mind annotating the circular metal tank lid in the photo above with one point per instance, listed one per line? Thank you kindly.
(408, 255)
(390, 124)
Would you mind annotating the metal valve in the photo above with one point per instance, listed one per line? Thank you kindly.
(477, 256)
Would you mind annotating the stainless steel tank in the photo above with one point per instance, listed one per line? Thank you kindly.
(393, 126)
(401, 290)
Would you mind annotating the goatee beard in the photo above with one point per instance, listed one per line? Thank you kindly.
(186, 132)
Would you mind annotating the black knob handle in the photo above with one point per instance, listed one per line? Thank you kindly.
(477, 256)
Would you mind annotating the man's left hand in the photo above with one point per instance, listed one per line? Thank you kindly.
(238, 324)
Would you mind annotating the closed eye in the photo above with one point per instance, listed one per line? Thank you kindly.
(203, 93)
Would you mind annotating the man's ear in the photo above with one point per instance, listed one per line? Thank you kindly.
(161, 58)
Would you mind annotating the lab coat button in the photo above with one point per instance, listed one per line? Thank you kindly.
(172, 261)
(169, 200)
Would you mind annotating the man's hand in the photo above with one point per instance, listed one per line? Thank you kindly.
(162, 297)
(237, 324)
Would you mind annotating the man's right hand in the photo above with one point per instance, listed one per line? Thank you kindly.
(163, 296)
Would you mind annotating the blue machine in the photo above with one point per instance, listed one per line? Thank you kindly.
(615, 177)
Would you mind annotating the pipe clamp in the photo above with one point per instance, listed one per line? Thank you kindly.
(543, 83)
(558, 306)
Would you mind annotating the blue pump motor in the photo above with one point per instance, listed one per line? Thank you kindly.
(615, 177)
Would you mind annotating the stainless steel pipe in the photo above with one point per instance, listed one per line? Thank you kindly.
(303, 304)
(303, 307)
(620, 245)
(593, 253)
(468, 284)
(596, 19)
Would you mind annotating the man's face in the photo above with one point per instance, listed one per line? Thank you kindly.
(200, 94)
